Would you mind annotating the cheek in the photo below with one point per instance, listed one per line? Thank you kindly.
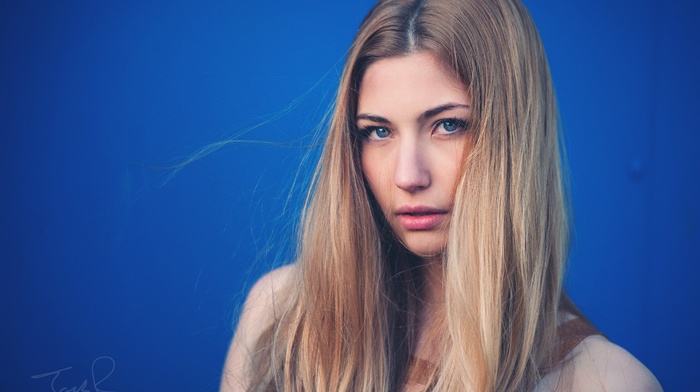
(377, 175)
(453, 165)
(452, 172)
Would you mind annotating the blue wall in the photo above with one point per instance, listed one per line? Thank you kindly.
(112, 263)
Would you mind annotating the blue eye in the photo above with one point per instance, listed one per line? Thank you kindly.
(451, 125)
(376, 133)
(381, 132)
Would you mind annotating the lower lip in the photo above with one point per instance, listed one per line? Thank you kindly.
(421, 222)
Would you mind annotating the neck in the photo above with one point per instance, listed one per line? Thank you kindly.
(433, 294)
(433, 299)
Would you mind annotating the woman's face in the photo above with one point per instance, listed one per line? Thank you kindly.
(413, 115)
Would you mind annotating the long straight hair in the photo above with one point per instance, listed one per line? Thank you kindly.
(348, 315)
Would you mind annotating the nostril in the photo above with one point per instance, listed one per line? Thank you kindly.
(412, 179)
(411, 173)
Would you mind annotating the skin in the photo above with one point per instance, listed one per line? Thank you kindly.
(258, 315)
(413, 114)
(594, 365)
(412, 156)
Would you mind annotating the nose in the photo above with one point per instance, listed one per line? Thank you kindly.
(412, 172)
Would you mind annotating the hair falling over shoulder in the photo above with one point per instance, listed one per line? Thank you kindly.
(348, 315)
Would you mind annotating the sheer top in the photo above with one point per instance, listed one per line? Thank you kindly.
(570, 334)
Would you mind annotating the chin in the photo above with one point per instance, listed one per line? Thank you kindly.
(426, 248)
(428, 257)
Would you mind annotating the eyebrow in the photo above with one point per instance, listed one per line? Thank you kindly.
(425, 115)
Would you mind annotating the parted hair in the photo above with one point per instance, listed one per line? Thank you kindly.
(346, 319)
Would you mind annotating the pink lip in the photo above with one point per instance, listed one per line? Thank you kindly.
(420, 217)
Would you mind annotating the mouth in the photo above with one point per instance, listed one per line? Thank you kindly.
(420, 218)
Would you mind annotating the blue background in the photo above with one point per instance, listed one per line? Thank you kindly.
(107, 252)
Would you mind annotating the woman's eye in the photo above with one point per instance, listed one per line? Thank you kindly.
(451, 125)
(377, 133)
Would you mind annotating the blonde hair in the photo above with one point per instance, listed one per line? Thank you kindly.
(347, 318)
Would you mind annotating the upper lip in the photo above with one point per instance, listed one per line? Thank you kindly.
(420, 210)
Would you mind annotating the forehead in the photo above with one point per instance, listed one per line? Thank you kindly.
(417, 80)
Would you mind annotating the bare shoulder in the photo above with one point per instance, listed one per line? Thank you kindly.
(597, 364)
(258, 314)
(260, 306)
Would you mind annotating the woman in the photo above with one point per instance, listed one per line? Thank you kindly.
(435, 235)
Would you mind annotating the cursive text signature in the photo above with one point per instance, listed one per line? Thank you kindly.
(98, 375)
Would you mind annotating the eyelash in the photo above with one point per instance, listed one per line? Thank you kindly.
(460, 124)
(366, 132)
